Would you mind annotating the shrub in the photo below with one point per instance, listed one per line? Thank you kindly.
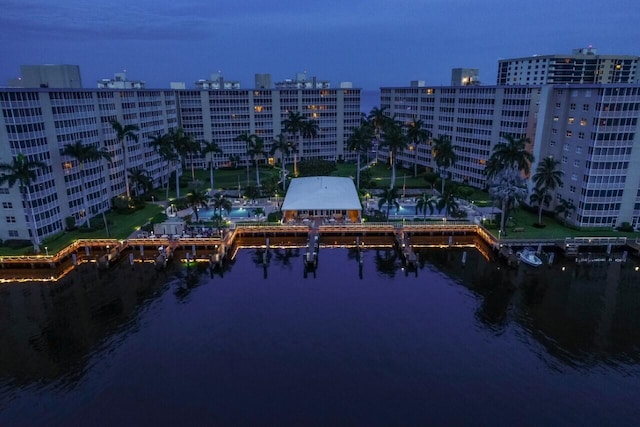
(274, 216)
(17, 243)
(625, 226)
(70, 223)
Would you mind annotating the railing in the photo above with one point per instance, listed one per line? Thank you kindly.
(595, 241)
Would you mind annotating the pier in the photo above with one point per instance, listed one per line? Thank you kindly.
(405, 236)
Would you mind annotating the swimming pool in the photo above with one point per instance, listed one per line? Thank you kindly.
(236, 212)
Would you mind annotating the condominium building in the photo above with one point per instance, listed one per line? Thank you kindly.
(120, 81)
(38, 123)
(582, 66)
(222, 115)
(592, 129)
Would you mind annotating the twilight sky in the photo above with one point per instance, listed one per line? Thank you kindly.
(371, 43)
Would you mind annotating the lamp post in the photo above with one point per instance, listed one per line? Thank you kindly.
(46, 250)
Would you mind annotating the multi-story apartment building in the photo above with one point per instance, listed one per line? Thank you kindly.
(120, 81)
(582, 66)
(592, 129)
(222, 115)
(38, 123)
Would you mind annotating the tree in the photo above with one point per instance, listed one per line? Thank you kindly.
(444, 154)
(547, 178)
(245, 137)
(513, 154)
(378, 119)
(163, 145)
(293, 125)
(565, 207)
(184, 145)
(539, 197)
(23, 171)
(84, 153)
(360, 142)
(448, 202)
(140, 180)
(280, 144)
(213, 148)
(256, 150)
(124, 133)
(196, 199)
(417, 135)
(509, 188)
(309, 130)
(390, 198)
(220, 203)
(395, 140)
(426, 202)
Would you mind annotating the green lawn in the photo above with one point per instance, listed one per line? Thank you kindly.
(120, 227)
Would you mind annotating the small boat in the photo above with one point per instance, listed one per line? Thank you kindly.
(529, 257)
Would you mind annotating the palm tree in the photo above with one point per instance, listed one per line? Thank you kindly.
(565, 207)
(85, 153)
(395, 140)
(448, 202)
(513, 154)
(417, 135)
(256, 150)
(196, 199)
(213, 148)
(220, 203)
(183, 145)
(309, 130)
(426, 202)
(444, 154)
(245, 137)
(390, 198)
(162, 143)
(140, 180)
(539, 197)
(23, 171)
(378, 119)
(282, 145)
(547, 178)
(360, 142)
(508, 187)
(124, 133)
(293, 125)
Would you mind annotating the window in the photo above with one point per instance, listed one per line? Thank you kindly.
(7, 205)
(580, 135)
(572, 188)
(564, 160)
(569, 134)
(579, 149)
(572, 107)
(574, 177)
(556, 118)
(585, 107)
(571, 120)
(576, 163)
(13, 233)
(11, 219)
(583, 122)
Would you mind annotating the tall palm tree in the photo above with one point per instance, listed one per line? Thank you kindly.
(85, 153)
(213, 148)
(444, 153)
(513, 154)
(293, 125)
(360, 142)
(23, 171)
(163, 145)
(183, 145)
(395, 140)
(124, 133)
(417, 135)
(378, 119)
(310, 130)
(245, 137)
(255, 150)
(508, 187)
(220, 203)
(426, 202)
(547, 178)
(389, 197)
(196, 199)
(280, 144)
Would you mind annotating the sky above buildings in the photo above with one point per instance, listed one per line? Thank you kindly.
(371, 43)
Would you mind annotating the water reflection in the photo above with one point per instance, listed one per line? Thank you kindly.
(570, 316)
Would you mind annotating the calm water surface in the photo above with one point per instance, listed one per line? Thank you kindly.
(450, 344)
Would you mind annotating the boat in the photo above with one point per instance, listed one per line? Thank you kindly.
(529, 257)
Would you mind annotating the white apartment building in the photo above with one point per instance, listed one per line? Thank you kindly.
(582, 66)
(592, 129)
(38, 123)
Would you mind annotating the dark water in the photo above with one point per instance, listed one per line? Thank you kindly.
(477, 344)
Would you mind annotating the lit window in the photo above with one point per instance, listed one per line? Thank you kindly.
(571, 120)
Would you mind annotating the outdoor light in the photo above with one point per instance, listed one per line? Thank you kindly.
(46, 250)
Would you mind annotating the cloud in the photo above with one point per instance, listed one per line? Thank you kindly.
(34, 19)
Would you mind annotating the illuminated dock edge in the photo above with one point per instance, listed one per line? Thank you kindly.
(200, 249)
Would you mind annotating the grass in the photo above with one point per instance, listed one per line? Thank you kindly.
(121, 226)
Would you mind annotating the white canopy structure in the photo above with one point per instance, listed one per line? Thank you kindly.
(322, 197)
